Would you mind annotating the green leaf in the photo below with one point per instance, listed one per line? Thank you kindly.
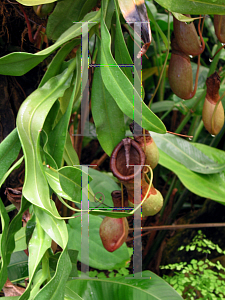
(9, 150)
(49, 123)
(46, 157)
(210, 186)
(71, 295)
(34, 2)
(73, 258)
(157, 27)
(18, 267)
(122, 55)
(7, 242)
(56, 63)
(30, 120)
(213, 153)
(65, 14)
(11, 298)
(20, 240)
(154, 288)
(57, 137)
(38, 245)
(30, 228)
(101, 186)
(19, 63)
(99, 258)
(53, 260)
(53, 180)
(70, 179)
(108, 118)
(183, 18)
(121, 88)
(102, 183)
(14, 166)
(162, 106)
(55, 228)
(54, 289)
(5, 226)
(69, 154)
(74, 189)
(187, 154)
(210, 7)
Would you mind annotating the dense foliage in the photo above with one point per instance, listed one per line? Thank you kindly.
(61, 226)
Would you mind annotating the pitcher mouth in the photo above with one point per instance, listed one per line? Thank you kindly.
(118, 165)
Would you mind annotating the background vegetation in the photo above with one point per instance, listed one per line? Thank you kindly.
(40, 112)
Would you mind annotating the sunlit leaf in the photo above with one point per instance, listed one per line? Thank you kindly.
(186, 153)
(56, 63)
(183, 18)
(194, 7)
(38, 245)
(121, 88)
(108, 118)
(30, 120)
(9, 150)
(70, 179)
(4, 260)
(147, 286)
(7, 242)
(65, 14)
(19, 63)
(55, 228)
(210, 186)
(69, 154)
(54, 289)
(20, 240)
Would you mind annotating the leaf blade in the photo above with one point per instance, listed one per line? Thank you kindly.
(187, 154)
(19, 63)
(30, 120)
(154, 288)
(120, 87)
(194, 7)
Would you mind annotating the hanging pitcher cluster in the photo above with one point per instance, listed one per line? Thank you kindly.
(127, 163)
(185, 43)
(213, 112)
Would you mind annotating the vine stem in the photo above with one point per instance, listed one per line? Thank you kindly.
(198, 131)
(178, 134)
(160, 78)
(149, 229)
(181, 226)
